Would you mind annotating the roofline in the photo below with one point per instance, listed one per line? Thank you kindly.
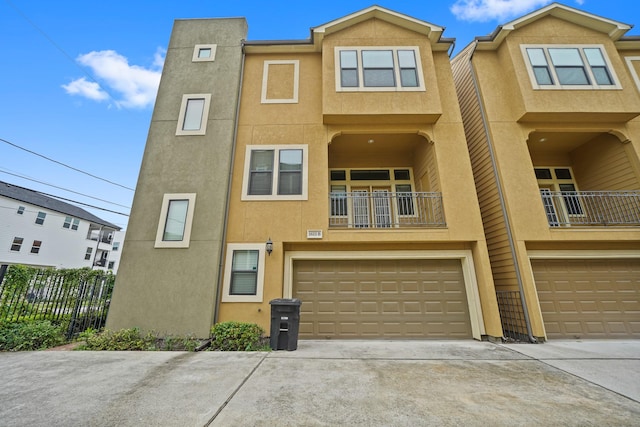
(614, 29)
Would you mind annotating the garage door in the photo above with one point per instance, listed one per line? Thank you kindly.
(381, 299)
(589, 298)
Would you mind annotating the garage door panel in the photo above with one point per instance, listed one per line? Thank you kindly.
(589, 298)
(388, 299)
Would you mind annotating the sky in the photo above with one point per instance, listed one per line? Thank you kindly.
(78, 79)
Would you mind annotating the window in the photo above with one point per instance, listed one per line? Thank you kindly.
(244, 272)
(569, 67)
(17, 244)
(378, 69)
(116, 246)
(559, 179)
(275, 172)
(204, 53)
(71, 223)
(40, 218)
(111, 265)
(176, 218)
(194, 111)
(87, 255)
(35, 248)
(20, 210)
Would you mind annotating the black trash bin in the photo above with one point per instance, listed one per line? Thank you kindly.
(285, 321)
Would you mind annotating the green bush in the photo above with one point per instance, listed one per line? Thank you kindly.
(122, 340)
(237, 336)
(30, 335)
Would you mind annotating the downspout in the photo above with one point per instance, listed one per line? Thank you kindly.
(226, 209)
(503, 206)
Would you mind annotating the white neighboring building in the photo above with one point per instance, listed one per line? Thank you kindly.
(42, 231)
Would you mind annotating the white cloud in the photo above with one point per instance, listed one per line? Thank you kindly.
(133, 86)
(487, 10)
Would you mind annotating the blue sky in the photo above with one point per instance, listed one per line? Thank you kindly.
(53, 53)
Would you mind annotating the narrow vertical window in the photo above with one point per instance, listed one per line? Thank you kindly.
(261, 172)
(40, 218)
(540, 66)
(20, 210)
(349, 68)
(35, 248)
(67, 222)
(176, 220)
(290, 170)
(244, 272)
(408, 68)
(405, 199)
(87, 254)
(377, 68)
(193, 114)
(116, 246)
(17, 244)
(598, 66)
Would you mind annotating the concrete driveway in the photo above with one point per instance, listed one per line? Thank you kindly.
(329, 383)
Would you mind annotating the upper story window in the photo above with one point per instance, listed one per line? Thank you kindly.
(71, 223)
(194, 111)
(378, 69)
(116, 246)
(35, 248)
(204, 52)
(20, 210)
(17, 244)
(569, 67)
(176, 218)
(277, 172)
(40, 218)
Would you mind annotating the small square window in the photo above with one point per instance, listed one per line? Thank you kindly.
(111, 265)
(40, 218)
(563, 173)
(17, 244)
(116, 246)
(20, 210)
(35, 248)
(204, 53)
(543, 173)
(67, 222)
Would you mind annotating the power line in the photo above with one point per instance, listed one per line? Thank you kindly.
(80, 203)
(64, 189)
(65, 165)
(46, 36)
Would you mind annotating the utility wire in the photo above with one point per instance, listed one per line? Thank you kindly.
(65, 165)
(46, 36)
(80, 203)
(64, 189)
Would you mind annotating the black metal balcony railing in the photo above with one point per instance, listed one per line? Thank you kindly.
(591, 208)
(384, 209)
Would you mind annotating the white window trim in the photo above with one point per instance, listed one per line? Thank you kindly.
(557, 86)
(629, 60)
(162, 222)
(276, 169)
(183, 111)
(296, 82)
(226, 286)
(198, 47)
(396, 69)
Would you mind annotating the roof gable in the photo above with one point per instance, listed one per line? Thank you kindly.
(614, 29)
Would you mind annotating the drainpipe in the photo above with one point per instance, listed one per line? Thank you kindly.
(503, 206)
(226, 209)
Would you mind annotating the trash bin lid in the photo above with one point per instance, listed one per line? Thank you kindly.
(285, 301)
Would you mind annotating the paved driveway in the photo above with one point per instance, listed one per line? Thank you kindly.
(327, 383)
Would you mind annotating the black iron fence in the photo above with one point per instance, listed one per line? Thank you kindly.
(75, 299)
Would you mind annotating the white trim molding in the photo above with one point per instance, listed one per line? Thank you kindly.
(204, 47)
(162, 222)
(296, 82)
(226, 284)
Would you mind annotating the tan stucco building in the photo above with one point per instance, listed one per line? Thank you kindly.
(360, 171)
(550, 103)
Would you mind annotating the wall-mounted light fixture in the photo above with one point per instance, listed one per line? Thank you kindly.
(371, 141)
(269, 246)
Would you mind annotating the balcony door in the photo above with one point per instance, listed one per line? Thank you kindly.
(372, 207)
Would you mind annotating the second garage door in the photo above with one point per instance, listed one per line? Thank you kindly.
(381, 299)
(589, 298)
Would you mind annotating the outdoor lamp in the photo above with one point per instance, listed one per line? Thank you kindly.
(269, 246)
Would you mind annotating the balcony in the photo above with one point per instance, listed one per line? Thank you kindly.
(385, 209)
(591, 208)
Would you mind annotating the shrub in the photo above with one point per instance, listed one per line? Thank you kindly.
(122, 340)
(30, 335)
(237, 336)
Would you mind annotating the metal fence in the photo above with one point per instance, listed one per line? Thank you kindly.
(514, 324)
(591, 208)
(385, 209)
(75, 299)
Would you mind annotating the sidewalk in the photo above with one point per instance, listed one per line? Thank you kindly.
(328, 383)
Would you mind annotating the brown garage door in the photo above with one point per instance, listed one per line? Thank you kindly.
(381, 299)
(589, 298)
